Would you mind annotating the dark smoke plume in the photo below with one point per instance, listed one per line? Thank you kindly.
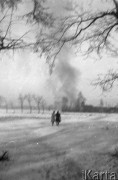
(65, 78)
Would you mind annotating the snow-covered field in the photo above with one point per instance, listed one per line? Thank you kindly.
(32, 142)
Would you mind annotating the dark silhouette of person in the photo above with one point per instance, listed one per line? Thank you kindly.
(53, 118)
(58, 118)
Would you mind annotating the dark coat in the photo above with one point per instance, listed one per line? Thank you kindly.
(58, 117)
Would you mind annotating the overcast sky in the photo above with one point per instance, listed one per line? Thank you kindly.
(26, 72)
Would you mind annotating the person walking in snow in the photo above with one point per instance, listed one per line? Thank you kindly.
(53, 118)
(58, 118)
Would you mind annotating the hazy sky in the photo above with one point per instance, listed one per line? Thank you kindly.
(26, 72)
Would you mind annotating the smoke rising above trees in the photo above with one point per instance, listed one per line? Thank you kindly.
(73, 27)
(65, 78)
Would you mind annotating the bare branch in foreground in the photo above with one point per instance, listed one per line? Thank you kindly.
(107, 81)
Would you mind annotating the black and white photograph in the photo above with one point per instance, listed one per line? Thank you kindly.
(58, 89)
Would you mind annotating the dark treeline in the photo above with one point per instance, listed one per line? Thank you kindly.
(79, 105)
(33, 102)
(24, 102)
(91, 108)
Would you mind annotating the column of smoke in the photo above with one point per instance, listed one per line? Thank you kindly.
(64, 80)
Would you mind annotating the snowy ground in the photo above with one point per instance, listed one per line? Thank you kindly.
(32, 142)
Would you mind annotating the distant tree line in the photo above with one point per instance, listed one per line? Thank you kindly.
(101, 108)
(27, 101)
(90, 108)
(79, 105)
(33, 102)
(75, 105)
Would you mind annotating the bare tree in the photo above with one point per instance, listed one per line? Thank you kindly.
(4, 102)
(43, 104)
(6, 105)
(12, 106)
(21, 99)
(64, 104)
(1, 101)
(29, 100)
(89, 29)
(80, 102)
(106, 81)
(92, 31)
(9, 38)
(101, 105)
(38, 100)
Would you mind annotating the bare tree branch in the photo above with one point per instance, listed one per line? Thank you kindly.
(93, 28)
(107, 81)
(38, 15)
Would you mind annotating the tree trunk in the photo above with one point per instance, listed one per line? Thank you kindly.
(30, 109)
(38, 108)
(6, 109)
(21, 108)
